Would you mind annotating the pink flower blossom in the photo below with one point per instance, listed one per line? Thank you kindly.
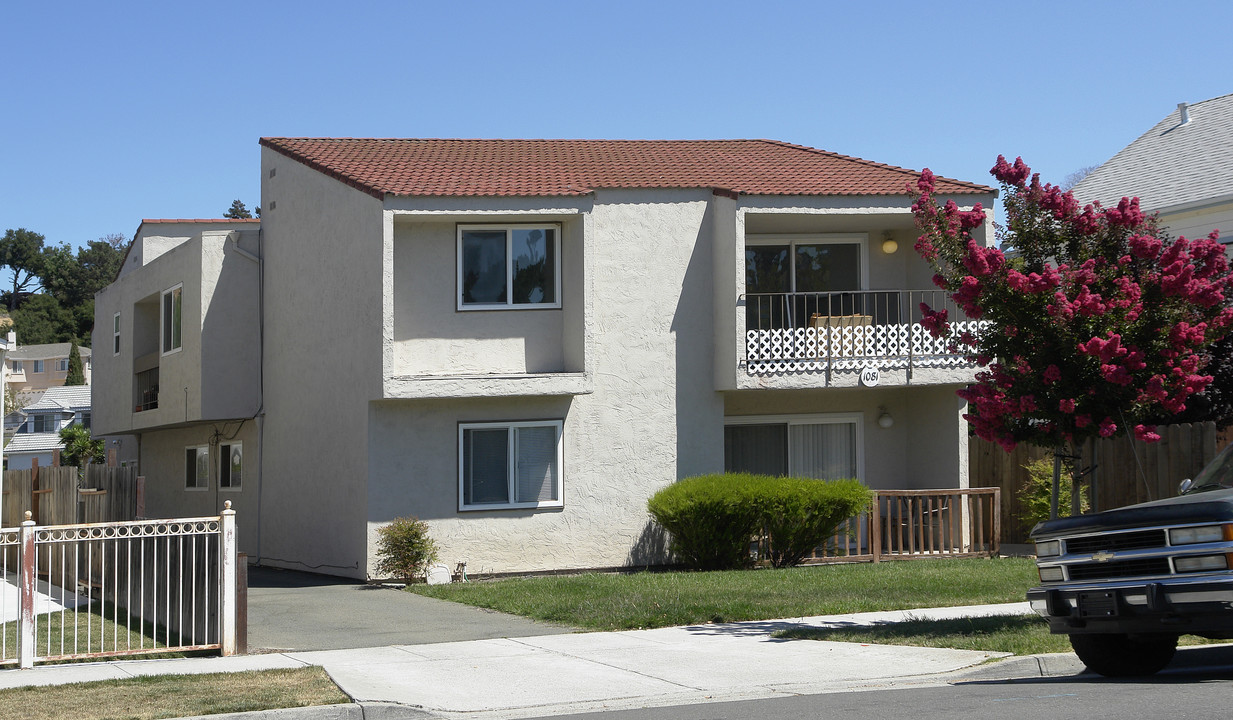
(1052, 374)
(925, 183)
(1107, 427)
(1066, 405)
(1146, 433)
(1015, 174)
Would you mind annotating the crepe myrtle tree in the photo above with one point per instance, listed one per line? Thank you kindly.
(1095, 324)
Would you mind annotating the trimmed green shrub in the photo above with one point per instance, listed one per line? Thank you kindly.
(800, 514)
(404, 549)
(712, 518)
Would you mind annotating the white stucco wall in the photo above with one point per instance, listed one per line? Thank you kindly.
(324, 245)
(653, 416)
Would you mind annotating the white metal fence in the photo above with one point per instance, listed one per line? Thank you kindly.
(109, 589)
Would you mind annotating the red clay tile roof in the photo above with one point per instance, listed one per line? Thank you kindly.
(578, 167)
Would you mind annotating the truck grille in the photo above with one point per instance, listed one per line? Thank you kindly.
(1116, 541)
(1119, 569)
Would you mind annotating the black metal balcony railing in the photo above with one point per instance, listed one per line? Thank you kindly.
(147, 390)
(802, 332)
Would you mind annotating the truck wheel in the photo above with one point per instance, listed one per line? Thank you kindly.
(1119, 655)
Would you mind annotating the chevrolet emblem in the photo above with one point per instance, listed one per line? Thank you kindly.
(1102, 556)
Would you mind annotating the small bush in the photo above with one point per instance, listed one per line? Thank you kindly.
(1036, 496)
(799, 514)
(712, 518)
(404, 549)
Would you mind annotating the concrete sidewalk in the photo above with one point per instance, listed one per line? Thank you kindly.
(560, 674)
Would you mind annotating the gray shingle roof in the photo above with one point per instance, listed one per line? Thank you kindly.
(1171, 164)
(33, 442)
(46, 352)
(64, 397)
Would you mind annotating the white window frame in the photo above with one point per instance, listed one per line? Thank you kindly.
(62, 365)
(162, 320)
(199, 449)
(792, 240)
(852, 418)
(18, 367)
(115, 333)
(509, 303)
(224, 466)
(511, 474)
(38, 366)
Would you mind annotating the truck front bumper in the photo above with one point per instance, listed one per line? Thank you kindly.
(1195, 605)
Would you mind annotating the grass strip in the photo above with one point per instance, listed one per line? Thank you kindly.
(99, 628)
(620, 601)
(1018, 634)
(171, 696)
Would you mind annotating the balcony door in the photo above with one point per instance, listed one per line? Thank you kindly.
(790, 278)
(826, 447)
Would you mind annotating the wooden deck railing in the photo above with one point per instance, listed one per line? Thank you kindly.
(904, 524)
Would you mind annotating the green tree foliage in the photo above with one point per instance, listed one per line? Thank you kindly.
(79, 447)
(64, 310)
(42, 319)
(76, 373)
(21, 251)
(237, 211)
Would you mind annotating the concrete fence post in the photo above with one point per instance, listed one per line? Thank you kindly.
(27, 586)
(228, 605)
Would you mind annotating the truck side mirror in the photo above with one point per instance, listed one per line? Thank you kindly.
(1184, 486)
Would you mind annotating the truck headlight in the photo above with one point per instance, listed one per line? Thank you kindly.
(1049, 548)
(1193, 535)
(1200, 563)
(1051, 574)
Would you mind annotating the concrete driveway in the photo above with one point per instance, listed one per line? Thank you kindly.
(289, 610)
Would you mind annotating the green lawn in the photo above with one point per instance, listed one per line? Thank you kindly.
(620, 601)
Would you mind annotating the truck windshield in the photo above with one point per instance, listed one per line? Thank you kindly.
(1218, 473)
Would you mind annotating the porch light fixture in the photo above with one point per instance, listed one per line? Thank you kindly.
(889, 246)
(884, 419)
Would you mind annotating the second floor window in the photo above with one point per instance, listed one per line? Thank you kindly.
(38, 366)
(172, 312)
(43, 424)
(502, 267)
(62, 365)
(115, 334)
(18, 367)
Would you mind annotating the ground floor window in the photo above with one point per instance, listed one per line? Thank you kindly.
(827, 447)
(230, 465)
(509, 465)
(197, 468)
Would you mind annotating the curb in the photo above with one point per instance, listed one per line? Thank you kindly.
(343, 711)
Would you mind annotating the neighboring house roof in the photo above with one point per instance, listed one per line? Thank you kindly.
(51, 351)
(578, 167)
(33, 443)
(64, 398)
(1172, 164)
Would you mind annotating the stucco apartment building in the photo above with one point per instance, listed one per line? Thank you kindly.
(519, 341)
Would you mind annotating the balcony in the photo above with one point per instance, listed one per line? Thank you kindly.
(823, 332)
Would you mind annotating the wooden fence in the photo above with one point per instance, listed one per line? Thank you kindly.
(52, 495)
(1119, 479)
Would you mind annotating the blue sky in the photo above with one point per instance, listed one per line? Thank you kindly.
(117, 111)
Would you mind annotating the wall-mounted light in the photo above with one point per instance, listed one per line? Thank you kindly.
(889, 246)
(884, 418)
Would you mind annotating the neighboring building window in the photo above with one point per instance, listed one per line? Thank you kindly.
(231, 466)
(197, 468)
(38, 366)
(826, 447)
(17, 366)
(509, 465)
(43, 423)
(62, 365)
(509, 267)
(173, 308)
(115, 336)
(84, 419)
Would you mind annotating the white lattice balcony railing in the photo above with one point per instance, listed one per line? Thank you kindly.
(818, 332)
